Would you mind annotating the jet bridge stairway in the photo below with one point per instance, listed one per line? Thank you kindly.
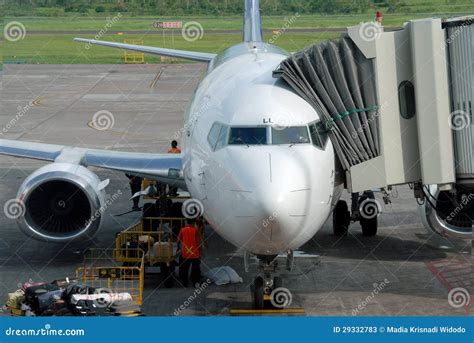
(398, 109)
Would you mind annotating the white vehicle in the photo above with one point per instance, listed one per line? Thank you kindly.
(254, 157)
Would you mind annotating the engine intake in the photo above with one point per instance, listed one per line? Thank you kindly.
(62, 202)
(448, 215)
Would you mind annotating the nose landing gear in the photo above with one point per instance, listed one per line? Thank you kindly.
(267, 289)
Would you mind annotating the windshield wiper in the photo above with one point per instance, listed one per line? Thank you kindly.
(240, 140)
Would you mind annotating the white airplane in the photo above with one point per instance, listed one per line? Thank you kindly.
(254, 157)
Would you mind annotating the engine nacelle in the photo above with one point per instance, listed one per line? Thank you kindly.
(448, 214)
(62, 201)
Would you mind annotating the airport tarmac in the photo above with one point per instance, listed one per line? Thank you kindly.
(400, 272)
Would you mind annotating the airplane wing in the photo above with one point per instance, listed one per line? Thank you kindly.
(162, 167)
(189, 55)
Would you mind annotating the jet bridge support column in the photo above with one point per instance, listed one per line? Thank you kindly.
(430, 78)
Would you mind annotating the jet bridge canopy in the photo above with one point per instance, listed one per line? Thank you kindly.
(391, 101)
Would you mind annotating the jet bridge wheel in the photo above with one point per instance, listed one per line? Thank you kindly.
(258, 293)
(368, 217)
(341, 218)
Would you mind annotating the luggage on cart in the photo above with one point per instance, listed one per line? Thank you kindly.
(58, 308)
(65, 282)
(47, 299)
(31, 283)
(77, 289)
(15, 299)
(126, 308)
(33, 293)
(89, 308)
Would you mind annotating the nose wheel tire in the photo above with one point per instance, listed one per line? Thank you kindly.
(341, 218)
(368, 218)
(258, 293)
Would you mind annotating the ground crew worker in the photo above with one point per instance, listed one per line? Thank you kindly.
(190, 241)
(135, 186)
(174, 148)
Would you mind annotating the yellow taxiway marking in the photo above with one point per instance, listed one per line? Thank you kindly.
(157, 77)
(269, 311)
(37, 101)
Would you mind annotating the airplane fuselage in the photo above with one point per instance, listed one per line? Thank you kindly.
(270, 196)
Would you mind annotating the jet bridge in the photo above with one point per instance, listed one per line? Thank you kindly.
(398, 108)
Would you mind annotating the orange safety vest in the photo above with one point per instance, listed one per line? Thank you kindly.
(174, 151)
(189, 238)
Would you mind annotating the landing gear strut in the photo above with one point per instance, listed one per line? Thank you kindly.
(265, 284)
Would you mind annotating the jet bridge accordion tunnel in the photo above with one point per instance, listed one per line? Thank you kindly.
(398, 108)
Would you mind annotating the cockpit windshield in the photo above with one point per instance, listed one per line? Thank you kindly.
(222, 135)
(248, 136)
(290, 135)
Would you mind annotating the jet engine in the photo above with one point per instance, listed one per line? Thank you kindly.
(448, 213)
(60, 202)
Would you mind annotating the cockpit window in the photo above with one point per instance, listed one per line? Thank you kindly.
(248, 136)
(217, 137)
(290, 135)
(319, 135)
(213, 135)
(222, 139)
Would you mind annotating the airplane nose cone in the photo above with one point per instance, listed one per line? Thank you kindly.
(272, 197)
(281, 219)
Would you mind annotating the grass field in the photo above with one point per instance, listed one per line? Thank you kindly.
(62, 49)
(232, 23)
(37, 47)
